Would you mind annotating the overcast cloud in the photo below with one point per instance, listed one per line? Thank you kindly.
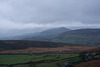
(20, 14)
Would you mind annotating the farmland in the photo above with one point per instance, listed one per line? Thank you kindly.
(40, 54)
(44, 60)
(38, 60)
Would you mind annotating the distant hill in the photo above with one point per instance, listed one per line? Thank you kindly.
(30, 33)
(53, 31)
(80, 36)
(48, 32)
(17, 34)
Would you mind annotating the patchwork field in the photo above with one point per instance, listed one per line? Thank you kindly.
(42, 60)
(45, 60)
(40, 54)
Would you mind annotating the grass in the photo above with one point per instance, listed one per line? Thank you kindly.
(48, 58)
(47, 65)
(13, 59)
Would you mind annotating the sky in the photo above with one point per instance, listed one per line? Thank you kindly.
(24, 14)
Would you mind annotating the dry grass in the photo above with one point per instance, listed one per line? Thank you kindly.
(68, 49)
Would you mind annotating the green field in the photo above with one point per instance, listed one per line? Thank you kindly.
(40, 60)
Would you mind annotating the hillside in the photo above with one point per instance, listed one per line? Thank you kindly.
(83, 31)
(81, 36)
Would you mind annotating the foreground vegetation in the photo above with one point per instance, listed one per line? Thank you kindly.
(49, 60)
(40, 60)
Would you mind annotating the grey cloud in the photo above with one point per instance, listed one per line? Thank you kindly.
(52, 11)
